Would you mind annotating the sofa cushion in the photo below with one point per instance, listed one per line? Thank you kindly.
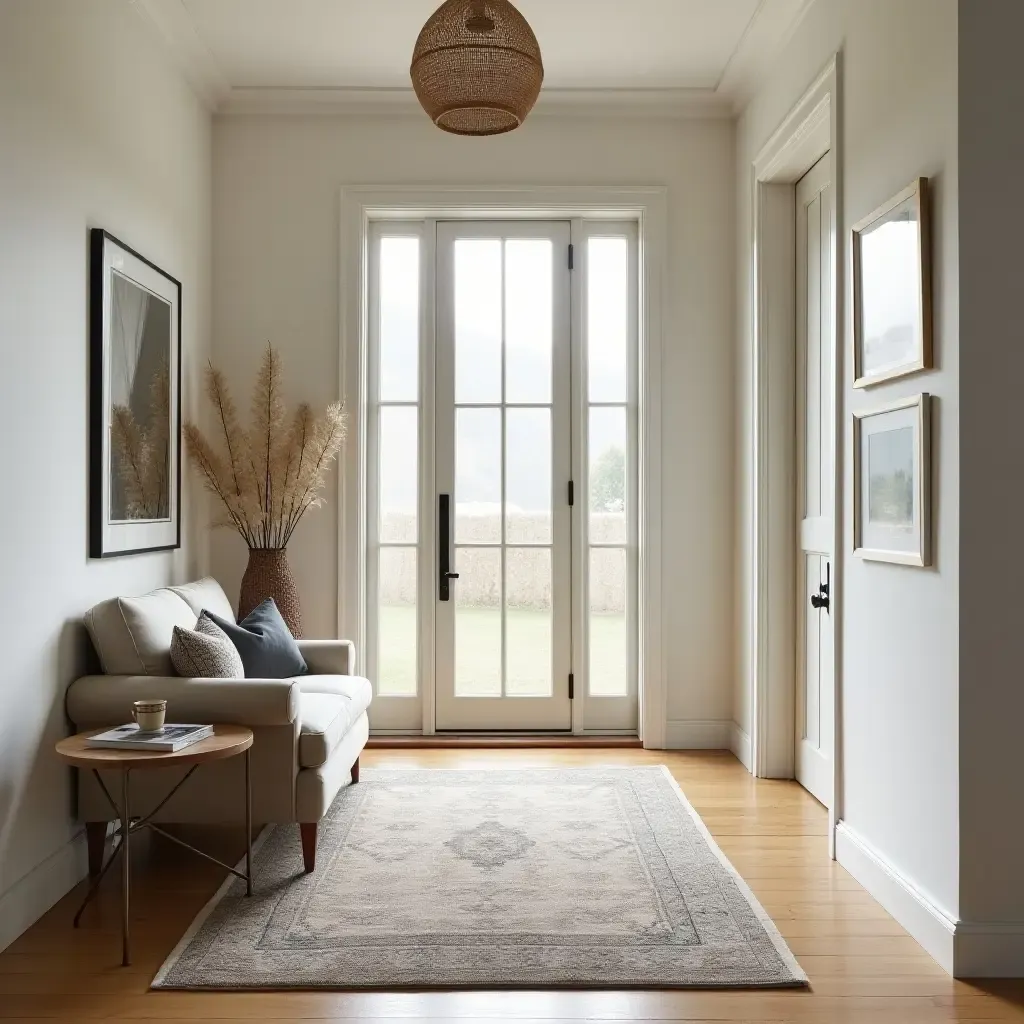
(206, 595)
(205, 652)
(132, 635)
(267, 647)
(326, 718)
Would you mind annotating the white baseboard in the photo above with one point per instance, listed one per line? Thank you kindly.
(32, 896)
(698, 735)
(739, 744)
(927, 922)
(989, 949)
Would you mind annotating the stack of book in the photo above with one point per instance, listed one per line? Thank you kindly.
(166, 740)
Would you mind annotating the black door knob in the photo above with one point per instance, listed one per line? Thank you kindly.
(821, 598)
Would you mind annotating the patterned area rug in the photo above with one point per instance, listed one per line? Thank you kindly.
(602, 878)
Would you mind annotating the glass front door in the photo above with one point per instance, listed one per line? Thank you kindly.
(502, 476)
(503, 443)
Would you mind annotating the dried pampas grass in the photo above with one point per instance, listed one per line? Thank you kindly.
(268, 476)
(143, 456)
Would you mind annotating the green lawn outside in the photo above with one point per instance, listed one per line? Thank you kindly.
(478, 654)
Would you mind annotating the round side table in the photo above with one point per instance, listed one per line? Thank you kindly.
(226, 741)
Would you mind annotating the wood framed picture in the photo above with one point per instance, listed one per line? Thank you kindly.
(134, 402)
(892, 482)
(892, 302)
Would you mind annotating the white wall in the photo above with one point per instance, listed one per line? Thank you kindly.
(276, 243)
(899, 625)
(992, 445)
(95, 131)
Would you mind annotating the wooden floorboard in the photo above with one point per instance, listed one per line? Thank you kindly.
(863, 966)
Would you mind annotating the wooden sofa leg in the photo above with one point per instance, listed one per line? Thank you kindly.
(307, 830)
(95, 841)
(355, 771)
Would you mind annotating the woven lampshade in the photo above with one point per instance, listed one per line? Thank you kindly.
(477, 67)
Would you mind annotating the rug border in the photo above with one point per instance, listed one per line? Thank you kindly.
(800, 978)
(781, 947)
(208, 908)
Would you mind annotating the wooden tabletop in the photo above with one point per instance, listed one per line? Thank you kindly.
(226, 741)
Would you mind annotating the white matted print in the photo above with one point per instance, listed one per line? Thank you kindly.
(892, 289)
(892, 482)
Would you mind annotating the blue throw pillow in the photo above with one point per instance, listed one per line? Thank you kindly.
(266, 645)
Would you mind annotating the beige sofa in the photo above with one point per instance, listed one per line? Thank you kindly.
(308, 731)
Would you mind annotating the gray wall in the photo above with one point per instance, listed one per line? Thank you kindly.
(95, 130)
(992, 449)
(900, 626)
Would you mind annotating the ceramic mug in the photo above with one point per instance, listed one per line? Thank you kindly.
(149, 714)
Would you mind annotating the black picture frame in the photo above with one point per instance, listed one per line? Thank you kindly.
(133, 532)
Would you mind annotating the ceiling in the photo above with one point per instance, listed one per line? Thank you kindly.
(243, 54)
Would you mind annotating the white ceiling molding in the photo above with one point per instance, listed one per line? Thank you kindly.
(175, 30)
(769, 30)
(659, 103)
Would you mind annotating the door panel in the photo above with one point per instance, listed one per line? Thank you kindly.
(503, 454)
(815, 230)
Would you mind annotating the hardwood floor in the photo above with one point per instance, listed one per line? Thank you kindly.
(862, 965)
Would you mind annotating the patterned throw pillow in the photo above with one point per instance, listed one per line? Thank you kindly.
(205, 652)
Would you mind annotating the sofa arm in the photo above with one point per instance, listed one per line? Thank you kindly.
(107, 700)
(329, 657)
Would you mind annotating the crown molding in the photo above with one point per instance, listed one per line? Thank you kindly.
(652, 103)
(770, 29)
(172, 26)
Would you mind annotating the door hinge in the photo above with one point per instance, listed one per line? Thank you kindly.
(572, 494)
(572, 687)
(572, 256)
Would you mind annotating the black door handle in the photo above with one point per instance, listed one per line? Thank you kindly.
(444, 526)
(822, 599)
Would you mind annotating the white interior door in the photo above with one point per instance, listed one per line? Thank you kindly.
(503, 447)
(815, 229)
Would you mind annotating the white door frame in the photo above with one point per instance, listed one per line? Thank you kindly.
(648, 206)
(809, 131)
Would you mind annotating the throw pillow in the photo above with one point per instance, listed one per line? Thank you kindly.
(205, 652)
(267, 647)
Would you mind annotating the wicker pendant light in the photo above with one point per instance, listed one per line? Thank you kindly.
(477, 67)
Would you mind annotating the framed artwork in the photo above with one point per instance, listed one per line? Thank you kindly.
(892, 302)
(134, 402)
(892, 482)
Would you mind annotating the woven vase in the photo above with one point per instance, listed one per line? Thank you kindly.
(268, 574)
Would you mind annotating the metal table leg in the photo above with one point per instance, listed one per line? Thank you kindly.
(248, 825)
(126, 864)
(123, 849)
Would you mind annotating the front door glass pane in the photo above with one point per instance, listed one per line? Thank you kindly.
(477, 320)
(478, 654)
(399, 319)
(528, 622)
(528, 320)
(478, 476)
(399, 443)
(607, 441)
(528, 476)
(609, 652)
(396, 623)
(608, 319)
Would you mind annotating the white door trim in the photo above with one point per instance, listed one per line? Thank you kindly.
(809, 131)
(649, 207)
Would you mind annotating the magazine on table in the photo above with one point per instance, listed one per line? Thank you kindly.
(166, 740)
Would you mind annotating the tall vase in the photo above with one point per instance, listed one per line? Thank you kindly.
(268, 574)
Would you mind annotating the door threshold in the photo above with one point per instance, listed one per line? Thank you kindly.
(494, 740)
